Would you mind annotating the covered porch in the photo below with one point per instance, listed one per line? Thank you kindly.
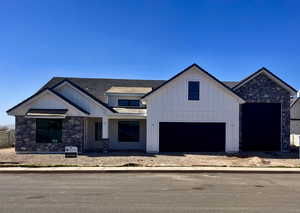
(114, 133)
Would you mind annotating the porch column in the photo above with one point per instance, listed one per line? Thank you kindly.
(105, 139)
(104, 128)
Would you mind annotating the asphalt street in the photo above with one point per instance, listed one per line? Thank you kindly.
(149, 193)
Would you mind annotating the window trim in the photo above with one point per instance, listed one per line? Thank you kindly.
(128, 101)
(188, 90)
(37, 139)
(138, 133)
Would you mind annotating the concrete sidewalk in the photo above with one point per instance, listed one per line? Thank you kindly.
(148, 170)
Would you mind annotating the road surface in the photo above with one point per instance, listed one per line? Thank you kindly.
(72, 193)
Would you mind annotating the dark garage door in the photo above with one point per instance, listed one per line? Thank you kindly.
(191, 137)
(261, 127)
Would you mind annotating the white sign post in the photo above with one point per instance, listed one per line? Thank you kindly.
(71, 151)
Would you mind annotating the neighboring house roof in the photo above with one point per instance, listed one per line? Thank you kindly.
(53, 92)
(271, 75)
(85, 92)
(202, 70)
(130, 90)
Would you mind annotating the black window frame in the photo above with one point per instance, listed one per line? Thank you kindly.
(48, 130)
(98, 130)
(193, 90)
(129, 102)
(125, 134)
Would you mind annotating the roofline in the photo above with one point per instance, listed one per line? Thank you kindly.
(127, 79)
(55, 93)
(186, 69)
(85, 92)
(27, 99)
(269, 72)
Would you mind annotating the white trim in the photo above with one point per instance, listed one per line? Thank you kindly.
(127, 116)
(125, 94)
(47, 117)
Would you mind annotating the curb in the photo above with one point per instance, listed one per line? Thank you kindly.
(15, 170)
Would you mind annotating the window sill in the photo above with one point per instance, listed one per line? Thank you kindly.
(129, 141)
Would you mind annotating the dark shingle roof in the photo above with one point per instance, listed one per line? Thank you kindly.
(98, 86)
(231, 84)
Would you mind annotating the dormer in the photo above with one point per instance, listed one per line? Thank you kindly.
(126, 97)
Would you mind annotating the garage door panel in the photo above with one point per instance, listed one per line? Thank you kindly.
(191, 137)
(261, 127)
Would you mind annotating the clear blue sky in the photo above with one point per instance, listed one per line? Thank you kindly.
(139, 39)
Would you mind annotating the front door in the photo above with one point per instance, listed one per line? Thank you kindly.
(93, 135)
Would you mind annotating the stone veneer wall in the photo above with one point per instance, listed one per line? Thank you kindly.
(72, 135)
(262, 89)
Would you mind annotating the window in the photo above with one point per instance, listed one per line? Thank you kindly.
(126, 102)
(193, 90)
(98, 131)
(129, 131)
(48, 130)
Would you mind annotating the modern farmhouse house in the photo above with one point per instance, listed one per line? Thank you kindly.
(191, 112)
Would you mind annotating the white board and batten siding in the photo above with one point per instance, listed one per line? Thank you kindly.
(82, 100)
(46, 100)
(170, 104)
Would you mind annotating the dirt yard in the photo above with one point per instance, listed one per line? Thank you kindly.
(8, 157)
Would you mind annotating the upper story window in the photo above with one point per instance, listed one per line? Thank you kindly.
(128, 103)
(193, 90)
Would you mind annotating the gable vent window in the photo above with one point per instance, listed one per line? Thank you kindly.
(193, 90)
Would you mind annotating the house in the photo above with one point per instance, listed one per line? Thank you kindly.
(295, 120)
(191, 112)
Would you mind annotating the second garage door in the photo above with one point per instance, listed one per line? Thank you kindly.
(261, 127)
(191, 137)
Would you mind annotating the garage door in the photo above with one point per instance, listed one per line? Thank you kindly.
(261, 124)
(191, 137)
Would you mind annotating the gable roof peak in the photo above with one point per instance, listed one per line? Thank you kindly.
(83, 91)
(271, 75)
(224, 86)
(264, 69)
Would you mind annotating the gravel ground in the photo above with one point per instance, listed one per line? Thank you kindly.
(9, 157)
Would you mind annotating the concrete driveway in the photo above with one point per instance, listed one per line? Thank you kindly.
(174, 193)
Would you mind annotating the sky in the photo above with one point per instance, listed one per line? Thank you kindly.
(142, 39)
